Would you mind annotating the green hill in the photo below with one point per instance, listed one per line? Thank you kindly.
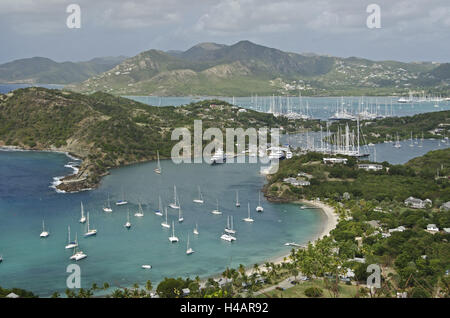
(45, 71)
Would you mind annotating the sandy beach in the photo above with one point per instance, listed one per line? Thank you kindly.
(329, 223)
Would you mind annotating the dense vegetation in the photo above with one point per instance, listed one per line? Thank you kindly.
(393, 183)
(19, 292)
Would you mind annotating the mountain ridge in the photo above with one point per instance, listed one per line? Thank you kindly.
(46, 71)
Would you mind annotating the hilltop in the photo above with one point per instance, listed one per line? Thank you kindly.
(42, 70)
(247, 68)
(106, 131)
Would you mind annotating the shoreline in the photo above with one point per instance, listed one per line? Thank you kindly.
(331, 219)
(329, 223)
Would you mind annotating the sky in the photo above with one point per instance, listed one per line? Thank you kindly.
(411, 30)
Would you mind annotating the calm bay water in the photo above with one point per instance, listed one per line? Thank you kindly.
(317, 107)
(116, 254)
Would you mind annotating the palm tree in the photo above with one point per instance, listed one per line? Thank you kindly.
(148, 286)
(256, 268)
(105, 285)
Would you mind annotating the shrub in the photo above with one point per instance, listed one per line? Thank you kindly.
(313, 292)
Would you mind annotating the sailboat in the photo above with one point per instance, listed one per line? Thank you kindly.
(77, 255)
(44, 233)
(165, 224)
(397, 143)
(174, 205)
(421, 142)
(180, 215)
(123, 201)
(238, 204)
(158, 212)
(173, 238)
(248, 218)
(229, 229)
(200, 197)
(216, 211)
(196, 229)
(158, 167)
(412, 142)
(140, 212)
(189, 250)
(89, 232)
(107, 207)
(71, 244)
(83, 218)
(128, 224)
(259, 208)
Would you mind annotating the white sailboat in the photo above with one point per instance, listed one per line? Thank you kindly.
(89, 231)
(180, 215)
(397, 143)
(200, 197)
(71, 244)
(238, 204)
(189, 250)
(122, 201)
(158, 167)
(83, 218)
(128, 224)
(421, 142)
(217, 211)
(44, 233)
(107, 207)
(77, 255)
(248, 218)
(229, 229)
(140, 212)
(174, 205)
(412, 141)
(196, 229)
(165, 224)
(173, 238)
(159, 211)
(259, 208)
(228, 237)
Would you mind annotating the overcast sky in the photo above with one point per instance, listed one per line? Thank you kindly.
(411, 30)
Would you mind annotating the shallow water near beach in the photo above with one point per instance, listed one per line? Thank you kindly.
(115, 255)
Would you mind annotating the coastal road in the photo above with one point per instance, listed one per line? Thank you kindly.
(286, 283)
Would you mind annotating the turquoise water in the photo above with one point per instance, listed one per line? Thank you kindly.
(115, 255)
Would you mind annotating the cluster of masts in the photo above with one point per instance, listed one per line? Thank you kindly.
(228, 234)
(280, 106)
(365, 110)
(343, 142)
(421, 98)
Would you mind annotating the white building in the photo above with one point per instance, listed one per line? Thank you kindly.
(417, 203)
(370, 166)
(401, 228)
(432, 228)
(334, 160)
(296, 182)
(445, 206)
